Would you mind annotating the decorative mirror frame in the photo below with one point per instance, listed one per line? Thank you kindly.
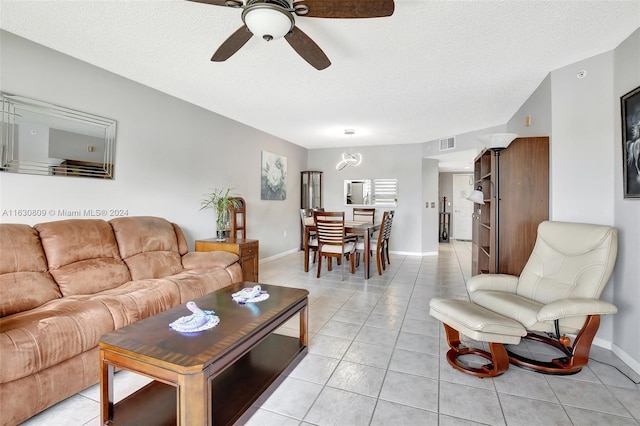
(95, 135)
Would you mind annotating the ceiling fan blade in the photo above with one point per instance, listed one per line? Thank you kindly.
(232, 44)
(212, 2)
(347, 8)
(307, 48)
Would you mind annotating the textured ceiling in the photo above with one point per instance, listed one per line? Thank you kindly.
(433, 69)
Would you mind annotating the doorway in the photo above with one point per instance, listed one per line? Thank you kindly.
(462, 208)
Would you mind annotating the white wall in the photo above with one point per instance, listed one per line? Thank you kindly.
(583, 137)
(583, 140)
(464, 142)
(538, 108)
(626, 330)
(430, 215)
(168, 153)
(402, 162)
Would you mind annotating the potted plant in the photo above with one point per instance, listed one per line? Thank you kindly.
(219, 200)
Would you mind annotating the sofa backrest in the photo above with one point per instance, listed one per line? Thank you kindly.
(82, 255)
(149, 246)
(24, 281)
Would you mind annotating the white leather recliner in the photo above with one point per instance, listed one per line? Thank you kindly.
(557, 293)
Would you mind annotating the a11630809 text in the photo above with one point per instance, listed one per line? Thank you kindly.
(87, 213)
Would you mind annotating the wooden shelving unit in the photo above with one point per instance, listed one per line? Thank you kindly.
(524, 203)
(310, 194)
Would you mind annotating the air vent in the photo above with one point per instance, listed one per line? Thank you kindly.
(447, 144)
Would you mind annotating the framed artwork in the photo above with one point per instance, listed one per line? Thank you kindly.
(630, 108)
(273, 184)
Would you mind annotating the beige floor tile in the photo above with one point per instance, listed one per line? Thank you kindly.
(392, 371)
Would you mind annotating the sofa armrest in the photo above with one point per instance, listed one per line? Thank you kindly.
(494, 282)
(208, 259)
(565, 308)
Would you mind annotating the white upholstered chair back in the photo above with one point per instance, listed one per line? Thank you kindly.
(569, 260)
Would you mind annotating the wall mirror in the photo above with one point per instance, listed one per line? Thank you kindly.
(371, 192)
(45, 139)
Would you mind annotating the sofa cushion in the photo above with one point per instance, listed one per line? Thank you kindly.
(209, 259)
(148, 245)
(34, 340)
(83, 255)
(138, 299)
(24, 281)
(183, 248)
(22, 398)
(196, 283)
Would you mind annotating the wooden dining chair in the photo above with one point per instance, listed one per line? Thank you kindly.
(378, 244)
(332, 241)
(387, 236)
(362, 214)
(306, 217)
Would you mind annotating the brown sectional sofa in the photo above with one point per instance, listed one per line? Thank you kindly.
(64, 284)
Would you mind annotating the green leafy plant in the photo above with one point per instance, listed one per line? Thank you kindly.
(219, 200)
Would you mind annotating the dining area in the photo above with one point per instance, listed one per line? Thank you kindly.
(354, 237)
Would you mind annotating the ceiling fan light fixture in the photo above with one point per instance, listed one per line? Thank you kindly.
(269, 21)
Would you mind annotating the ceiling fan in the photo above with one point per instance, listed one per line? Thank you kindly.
(273, 19)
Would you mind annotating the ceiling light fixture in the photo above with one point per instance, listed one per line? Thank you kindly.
(268, 19)
(349, 159)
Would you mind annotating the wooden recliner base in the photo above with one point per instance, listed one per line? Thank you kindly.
(497, 355)
(577, 356)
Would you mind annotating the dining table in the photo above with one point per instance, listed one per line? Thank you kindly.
(364, 229)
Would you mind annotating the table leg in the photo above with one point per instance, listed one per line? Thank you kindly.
(304, 326)
(367, 250)
(306, 249)
(106, 390)
(193, 400)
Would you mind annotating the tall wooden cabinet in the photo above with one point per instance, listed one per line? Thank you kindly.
(310, 195)
(311, 189)
(524, 203)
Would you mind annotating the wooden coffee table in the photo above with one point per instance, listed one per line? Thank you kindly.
(209, 377)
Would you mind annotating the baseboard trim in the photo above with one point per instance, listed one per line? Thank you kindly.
(279, 255)
(620, 353)
(626, 358)
(411, 253)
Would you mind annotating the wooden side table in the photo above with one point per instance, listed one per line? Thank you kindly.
(247, 250)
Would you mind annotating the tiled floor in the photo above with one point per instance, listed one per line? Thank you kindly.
(376, 357)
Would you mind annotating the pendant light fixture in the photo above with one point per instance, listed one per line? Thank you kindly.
(349, 159)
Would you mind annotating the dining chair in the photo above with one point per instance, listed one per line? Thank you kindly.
(377, 244)
(386, 236)
(306, 217)
(332, 241)
(361, 214)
